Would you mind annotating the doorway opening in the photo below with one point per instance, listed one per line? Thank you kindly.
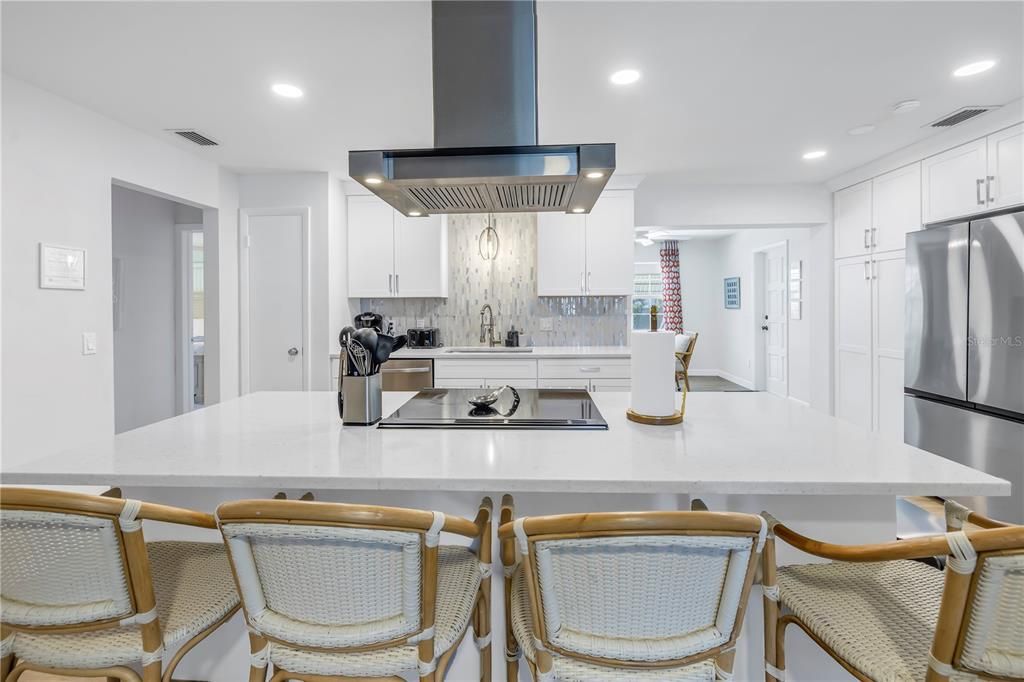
(158, 294)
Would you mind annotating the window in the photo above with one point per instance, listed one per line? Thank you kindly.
(647, 291)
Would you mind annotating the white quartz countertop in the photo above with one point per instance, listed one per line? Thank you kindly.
(501, 352)
(729, 443)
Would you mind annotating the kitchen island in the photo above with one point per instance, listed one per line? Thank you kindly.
(737, 451)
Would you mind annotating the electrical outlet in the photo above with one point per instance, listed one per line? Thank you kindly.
(421, 322)
(546, 324)
(88, 343)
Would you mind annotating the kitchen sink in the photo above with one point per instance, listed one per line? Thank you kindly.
(487, 349)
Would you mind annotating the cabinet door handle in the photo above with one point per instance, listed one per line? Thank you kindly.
(867, 234)
(988, 189)
(583, 283)
(389, 284)
(874, 234)
(396, 283)
(588, 280)
(977, 190)
(867, 269)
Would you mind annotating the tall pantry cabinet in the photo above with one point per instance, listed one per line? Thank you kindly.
(871, 220)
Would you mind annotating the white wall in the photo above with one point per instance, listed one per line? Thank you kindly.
(220, 239)
(59, 160)
(700, 277)
(290, 190)
(340, 313)
(663, 201)
(145, 377)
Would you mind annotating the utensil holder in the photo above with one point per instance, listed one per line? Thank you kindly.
(361, 400)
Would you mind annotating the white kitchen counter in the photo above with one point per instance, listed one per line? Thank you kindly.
(501, 352)
(730, 443)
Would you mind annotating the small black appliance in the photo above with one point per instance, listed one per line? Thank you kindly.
(424, 337)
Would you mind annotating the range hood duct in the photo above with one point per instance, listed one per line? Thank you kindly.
(486, 157)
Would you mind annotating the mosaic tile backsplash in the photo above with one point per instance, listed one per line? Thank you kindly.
(509, 283)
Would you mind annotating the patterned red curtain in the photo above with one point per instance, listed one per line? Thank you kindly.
(673, 305)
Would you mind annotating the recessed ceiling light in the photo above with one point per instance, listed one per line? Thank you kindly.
(905, 106)
(862, 130)
(974, 68)
(815, 154)
(373, 180)
(578, 209)
(594, 175)
(286, 90)
(625, 76)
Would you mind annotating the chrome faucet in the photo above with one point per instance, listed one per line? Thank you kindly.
(487, 328)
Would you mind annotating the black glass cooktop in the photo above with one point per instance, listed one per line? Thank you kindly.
(524, 408)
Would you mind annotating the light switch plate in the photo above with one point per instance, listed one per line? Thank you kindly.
(546, 324)
(88, 343)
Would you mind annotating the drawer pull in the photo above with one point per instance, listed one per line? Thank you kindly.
(590, 370)
(406, 370)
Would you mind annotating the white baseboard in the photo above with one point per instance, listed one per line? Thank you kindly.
(704, 373)
(745, 383)
(802, 403)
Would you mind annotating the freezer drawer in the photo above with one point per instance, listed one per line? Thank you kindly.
(407, 375)
(995, 342)
(935, 338)
(980, 441)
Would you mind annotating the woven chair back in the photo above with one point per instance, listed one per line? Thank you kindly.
(641, 597)
(328, 586)
(61, 569)
(992, 640)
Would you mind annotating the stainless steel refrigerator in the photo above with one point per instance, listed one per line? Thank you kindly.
(964, 369)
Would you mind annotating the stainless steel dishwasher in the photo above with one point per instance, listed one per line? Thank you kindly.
(408, 375)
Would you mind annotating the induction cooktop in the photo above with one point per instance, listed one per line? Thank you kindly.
(524, 408)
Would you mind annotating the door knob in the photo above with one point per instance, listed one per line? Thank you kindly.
(293, 351)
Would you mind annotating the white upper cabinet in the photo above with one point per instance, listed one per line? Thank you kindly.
(561, 254)
(953, 182)
(852, 219)
(421, 256)
(587, 255)
(896, 207)
(371, 248)
(1006, 167)
(391, 256)
(610, 234)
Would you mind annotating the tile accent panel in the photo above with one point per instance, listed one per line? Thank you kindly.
(509, 283)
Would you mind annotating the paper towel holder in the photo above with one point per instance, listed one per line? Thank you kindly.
(650, 420)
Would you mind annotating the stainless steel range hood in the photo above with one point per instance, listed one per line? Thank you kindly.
(485, 126)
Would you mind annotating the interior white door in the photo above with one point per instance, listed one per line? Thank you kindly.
(775, 324)
(852, 217)
(276, 302)
(953, 182)
(371, 248)
(1006, 167)
(610, 234)
(896, 207)
(421, 257)
(561, 254)
(888, 289)
(853, 340)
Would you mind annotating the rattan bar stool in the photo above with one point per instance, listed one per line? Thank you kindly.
(84, 594)
(627, 596)
(883, 616)
(342, 591)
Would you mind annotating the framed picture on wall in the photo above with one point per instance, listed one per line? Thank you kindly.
(61, 267)
(732, 292)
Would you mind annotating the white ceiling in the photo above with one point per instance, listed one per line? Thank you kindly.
(731, 91)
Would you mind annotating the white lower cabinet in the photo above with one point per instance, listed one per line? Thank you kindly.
(869, 295)
(600, 374)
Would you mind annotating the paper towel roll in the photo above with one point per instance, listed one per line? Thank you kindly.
(652, 370)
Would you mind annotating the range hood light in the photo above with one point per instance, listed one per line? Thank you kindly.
(578, 209)
(594, 175)
(373, 180)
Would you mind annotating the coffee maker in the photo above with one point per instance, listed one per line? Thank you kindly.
(371, 320)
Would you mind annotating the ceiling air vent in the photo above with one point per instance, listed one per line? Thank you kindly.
(195, 136)
(959, 116)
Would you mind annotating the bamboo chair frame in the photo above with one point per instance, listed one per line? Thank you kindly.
(309, 513)
(614, 524)
(995, 538)
(684, 358)
(134, 562)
